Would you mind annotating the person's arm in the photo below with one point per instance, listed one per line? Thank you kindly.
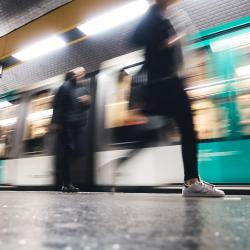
(58, 107)
(171, 41)
(85, 100)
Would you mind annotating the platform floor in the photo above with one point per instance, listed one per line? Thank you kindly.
(52, 220)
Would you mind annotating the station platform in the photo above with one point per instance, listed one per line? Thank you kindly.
(166, 189)
(53, 220)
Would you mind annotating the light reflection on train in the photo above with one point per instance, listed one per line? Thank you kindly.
(218, 84)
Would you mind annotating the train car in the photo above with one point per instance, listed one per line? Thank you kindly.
(218, 84)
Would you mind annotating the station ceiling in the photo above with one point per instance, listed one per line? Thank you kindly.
(27, 21)
(16, 13)
(24, 22)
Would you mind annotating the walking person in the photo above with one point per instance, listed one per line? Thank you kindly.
(71, 102)
(166, 95)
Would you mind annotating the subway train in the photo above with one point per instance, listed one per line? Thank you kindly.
(127, 148)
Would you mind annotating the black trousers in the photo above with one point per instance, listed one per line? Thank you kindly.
(71, 138)
(67, 144)
(168, 98)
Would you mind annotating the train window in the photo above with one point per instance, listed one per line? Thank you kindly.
(210, 119)
(124, 122)
(8, 124)
(242, 61)
(243, 87)
(118, 113)
(199, 69)
(37, 122)
(206, 93)
(243, 101)
(244, 110)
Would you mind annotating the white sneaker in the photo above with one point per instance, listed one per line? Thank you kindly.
(201, 189)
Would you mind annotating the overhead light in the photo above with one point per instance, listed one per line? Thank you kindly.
(243, 71)
(8, 122)
(230, 43)
(5, 104)
(40, 115)
(115, 17)
(41, 48)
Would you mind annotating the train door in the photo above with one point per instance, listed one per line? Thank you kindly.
(119, 132)
(36, 161)
(10, 106)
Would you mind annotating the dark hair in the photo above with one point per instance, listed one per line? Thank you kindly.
(69, 76)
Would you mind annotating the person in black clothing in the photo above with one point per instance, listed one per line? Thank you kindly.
(165, 89)
(71, 102)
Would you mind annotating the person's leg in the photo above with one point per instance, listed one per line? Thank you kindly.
(184, 119)
(193, 186)
(66, 168)
(67, 140)
(69, 143)
(58, 150)
(169, 99)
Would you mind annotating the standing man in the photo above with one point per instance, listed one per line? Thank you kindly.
(71, 102)
(166, 95)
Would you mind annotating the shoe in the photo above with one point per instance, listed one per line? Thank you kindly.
(201, 189)
(70, 189)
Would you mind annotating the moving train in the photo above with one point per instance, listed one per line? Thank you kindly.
(217, 82)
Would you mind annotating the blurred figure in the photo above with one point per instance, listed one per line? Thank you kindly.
(165, 90)
(69, 117)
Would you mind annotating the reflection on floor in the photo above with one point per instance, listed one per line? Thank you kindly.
(50, 220)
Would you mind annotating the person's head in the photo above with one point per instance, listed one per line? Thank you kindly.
(79, 73)
(163, 4)
(76, 74)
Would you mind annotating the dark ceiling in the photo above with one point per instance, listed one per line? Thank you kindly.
(16, 13)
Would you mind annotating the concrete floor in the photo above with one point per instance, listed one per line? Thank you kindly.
(51, 220)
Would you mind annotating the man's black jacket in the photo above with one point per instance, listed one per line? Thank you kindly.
(67, 109)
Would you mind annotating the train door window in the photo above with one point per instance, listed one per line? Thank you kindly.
(242, 85)
(244, 111)
(118, 113)
(9, 110)
(124, 122)
(199, 69)
(37, 122)
(120, 119)
(209, 119)
(204, 89)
